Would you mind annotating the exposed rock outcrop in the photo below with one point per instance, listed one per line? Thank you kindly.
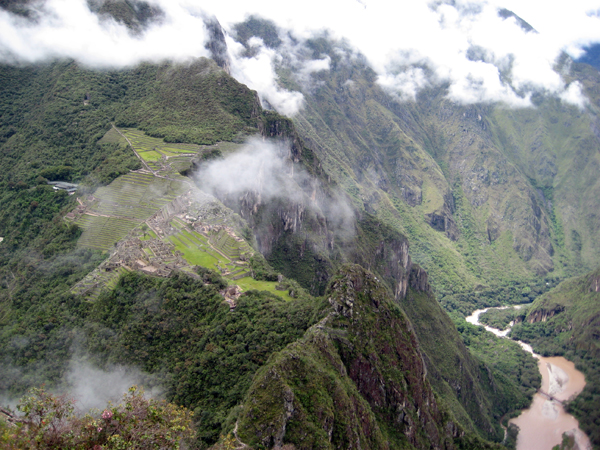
(543, 314)
(364, 374)
(444, 222)
(595, 282)
(418, 279)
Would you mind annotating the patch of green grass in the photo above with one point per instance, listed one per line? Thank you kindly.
(194, 256)
(112, 136)
(169, 154)
(249, 283)
(433, 199)
(195, 236)
(150, 155)
(178, 151)
(149, 235)
(178, 223)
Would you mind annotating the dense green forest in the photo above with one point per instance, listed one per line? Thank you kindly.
(314, 366)
(502, 318)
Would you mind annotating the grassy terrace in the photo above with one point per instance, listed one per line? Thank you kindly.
(123, 205)
(153, 149)
(103, 232)
(249, 283)
(194, 255)
(147, 235)
(229, 246)
(198, 250)
(195, 247)
(150, 155)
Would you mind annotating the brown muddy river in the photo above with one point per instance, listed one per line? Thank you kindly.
(543, 424)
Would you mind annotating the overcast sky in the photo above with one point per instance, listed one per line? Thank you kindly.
(397, 38)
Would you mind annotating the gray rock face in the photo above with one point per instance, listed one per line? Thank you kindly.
(216, 44)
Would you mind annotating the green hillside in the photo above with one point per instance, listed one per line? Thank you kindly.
(78, 286)
(356, 377)
(487, 195)
(314, 313)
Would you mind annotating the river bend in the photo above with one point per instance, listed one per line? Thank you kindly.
(542, 425)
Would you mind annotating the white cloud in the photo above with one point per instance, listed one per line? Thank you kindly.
(67, 28)
(258, 73)
(405, 83)
(258, 167)
(392, 35)
(93, 388)
(265, 168)
(307, 68)
(574, 95)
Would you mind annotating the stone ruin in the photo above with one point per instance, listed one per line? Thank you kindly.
(191, 208)
(231, 295)
(130, 255)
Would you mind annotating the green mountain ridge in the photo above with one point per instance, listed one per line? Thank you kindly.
(107, 325)
(336, 338)
(485, 193)
(346, 385)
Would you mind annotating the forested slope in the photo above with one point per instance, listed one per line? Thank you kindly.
(487, 194)
(178, 330)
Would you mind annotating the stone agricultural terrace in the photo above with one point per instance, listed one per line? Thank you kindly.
(156, 221)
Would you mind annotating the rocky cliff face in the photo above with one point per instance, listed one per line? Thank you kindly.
(543, 314)
(137, 15)
(310, 226)
(356, 380)
(452, 371)
(295, 227)
(216, 44)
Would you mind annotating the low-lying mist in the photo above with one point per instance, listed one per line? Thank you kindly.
(265, 169)
(93, 387)
(88, 385)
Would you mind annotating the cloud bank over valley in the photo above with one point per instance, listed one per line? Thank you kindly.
(480, 49)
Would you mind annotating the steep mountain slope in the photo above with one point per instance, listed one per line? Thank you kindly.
(430, 169)
(218, 350)
(478, 394)
(357, 379)
(485, 193)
